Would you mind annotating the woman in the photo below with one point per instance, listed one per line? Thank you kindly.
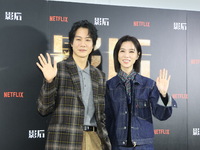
(132, 99)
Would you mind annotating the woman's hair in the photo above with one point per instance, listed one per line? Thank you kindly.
(134, 40)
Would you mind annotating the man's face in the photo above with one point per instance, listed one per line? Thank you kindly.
(82, 45)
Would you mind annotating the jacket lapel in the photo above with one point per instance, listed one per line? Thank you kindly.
(73, 71)
(94, 79)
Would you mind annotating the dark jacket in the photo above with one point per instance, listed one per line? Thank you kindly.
(63, 99)
(145, 96)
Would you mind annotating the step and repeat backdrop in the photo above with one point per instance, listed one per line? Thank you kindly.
(170, 39)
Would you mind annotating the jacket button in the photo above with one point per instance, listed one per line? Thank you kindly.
(124, 127)
(125, 112)
(124, 143)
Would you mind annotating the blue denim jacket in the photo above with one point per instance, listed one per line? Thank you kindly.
(145, 104)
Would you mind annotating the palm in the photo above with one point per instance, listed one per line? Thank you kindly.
(162, 82)
(46, 67)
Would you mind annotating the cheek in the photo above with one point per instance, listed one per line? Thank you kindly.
(135, 56)
(120, 56)
(89, 45)
(119, 59)
(91, 48)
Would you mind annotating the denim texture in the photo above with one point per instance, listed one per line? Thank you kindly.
(145, 96)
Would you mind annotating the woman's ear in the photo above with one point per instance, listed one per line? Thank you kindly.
(138, 55)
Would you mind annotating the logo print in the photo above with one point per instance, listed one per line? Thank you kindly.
(35, 134)
(101, 21)
(13, 16)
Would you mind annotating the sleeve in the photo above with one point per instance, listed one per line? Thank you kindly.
(159, 109)
(167, 101)
(47, 98)
(108, 111)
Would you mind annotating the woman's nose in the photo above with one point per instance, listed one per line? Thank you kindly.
(126, 54)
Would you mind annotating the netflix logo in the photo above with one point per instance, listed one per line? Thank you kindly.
(141, 24)
(58, 18)
(180, 96)
(14, 94)
(195, 61)
(162, 131)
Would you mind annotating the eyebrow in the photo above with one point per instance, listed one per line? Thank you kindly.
(129, 49)
(81, 36)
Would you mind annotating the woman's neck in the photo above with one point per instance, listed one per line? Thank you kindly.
(127, 70)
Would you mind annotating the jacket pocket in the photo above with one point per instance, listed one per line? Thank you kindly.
(142, 109)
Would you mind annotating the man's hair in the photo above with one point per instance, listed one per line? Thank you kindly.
(134, 40)
(92, 32)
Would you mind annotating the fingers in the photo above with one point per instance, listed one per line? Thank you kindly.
(164, 74)
(39, 66)
(43, 60)
(169, 78)
(48, 58)
(55, 64)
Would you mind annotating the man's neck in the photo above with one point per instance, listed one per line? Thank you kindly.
(81, 62)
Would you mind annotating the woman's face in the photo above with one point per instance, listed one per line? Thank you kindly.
(127, 56)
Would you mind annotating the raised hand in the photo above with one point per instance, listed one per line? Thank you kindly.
(46, 67)
(162, 82)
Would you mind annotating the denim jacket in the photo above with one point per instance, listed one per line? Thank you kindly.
(146, 102)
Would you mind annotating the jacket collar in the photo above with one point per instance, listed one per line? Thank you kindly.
(76, 80)
(73, 71)
(136, 81)
(95, 83)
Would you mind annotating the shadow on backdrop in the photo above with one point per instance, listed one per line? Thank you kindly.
(19, 47)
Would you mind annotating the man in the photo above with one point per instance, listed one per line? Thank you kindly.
(73, 91)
